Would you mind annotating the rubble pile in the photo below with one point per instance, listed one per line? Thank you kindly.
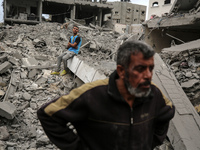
(186, 67)
(27, 56)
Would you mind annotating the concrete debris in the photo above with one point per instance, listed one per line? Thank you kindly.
(2, 145)
(4, 67)
(183, 60)
(29, 62)
(4, 133)
(26, 96)
(28, 55)
(7, 110)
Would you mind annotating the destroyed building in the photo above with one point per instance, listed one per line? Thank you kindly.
(159, 8)
(128, 13)
(175, 36)
(28, 54)
(30, 11)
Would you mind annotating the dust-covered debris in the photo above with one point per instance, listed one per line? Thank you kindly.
(185, 65)
(28, 55)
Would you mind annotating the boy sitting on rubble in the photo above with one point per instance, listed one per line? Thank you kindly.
(73, 49)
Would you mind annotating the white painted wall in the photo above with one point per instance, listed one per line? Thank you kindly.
(160, 9)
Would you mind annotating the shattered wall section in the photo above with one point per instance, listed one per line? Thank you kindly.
(185, 64)
(22, 10)
(128, 13)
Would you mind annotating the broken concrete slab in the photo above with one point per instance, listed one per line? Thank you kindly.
(32, 73)
(85, 72)
(189, 83)
(5, 66)
(2, 93)
(29, 62)
(184, 131)
(13, 61)
(26, 96)
(17, 55)
(7, 110)
(4, 133)
(3, 58)
(2, 145)
(40, 57)
(183, 47)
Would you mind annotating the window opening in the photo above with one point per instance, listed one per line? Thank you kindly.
(155, 4)
(167, 2)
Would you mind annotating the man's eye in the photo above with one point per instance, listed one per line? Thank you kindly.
(140, 69)
(151, 68)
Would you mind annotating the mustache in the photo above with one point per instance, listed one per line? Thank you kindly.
(145, 83)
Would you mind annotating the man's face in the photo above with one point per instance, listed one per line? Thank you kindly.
(138, 75)
(75, 30)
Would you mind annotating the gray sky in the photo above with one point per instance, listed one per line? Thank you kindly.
(1, 11)
(140, 2)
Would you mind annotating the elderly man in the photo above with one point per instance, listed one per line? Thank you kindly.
(73, 49)
(124, 112)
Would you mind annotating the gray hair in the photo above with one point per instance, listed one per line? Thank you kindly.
(132, 48)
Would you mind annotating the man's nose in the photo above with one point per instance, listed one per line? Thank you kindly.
(148, 74)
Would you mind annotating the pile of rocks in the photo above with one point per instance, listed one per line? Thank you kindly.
(27, 56)
(186, 67)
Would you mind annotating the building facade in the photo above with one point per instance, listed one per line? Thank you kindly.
(159, 7)
(30, 11)
(128, 13)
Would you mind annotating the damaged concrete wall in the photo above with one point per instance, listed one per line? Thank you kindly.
(175, 28)
(128, 13)
(160, 38)
(159, 7)
(21, 11)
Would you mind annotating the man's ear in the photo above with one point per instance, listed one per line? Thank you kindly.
(121, 71)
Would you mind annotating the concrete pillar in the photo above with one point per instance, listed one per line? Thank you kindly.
(73, 12)
(4, 16)
(40, 10)
(100, 17)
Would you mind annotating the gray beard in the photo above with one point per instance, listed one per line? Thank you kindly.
(137, 92)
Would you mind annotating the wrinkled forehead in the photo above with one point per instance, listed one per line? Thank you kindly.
(138, 59)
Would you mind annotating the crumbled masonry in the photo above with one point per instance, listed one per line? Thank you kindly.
(28, 54)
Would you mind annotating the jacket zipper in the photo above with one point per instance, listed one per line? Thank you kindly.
(131, 116)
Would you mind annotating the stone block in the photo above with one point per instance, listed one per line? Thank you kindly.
(13, 61)
(4, 133)
(3, 59)
(29, 62)
(26, 96)
(32, 73)
(7, 110)
(4, 67)
(17, 55)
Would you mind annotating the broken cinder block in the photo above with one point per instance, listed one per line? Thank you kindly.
(5, 66)
(29, 62)
(7, 110)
